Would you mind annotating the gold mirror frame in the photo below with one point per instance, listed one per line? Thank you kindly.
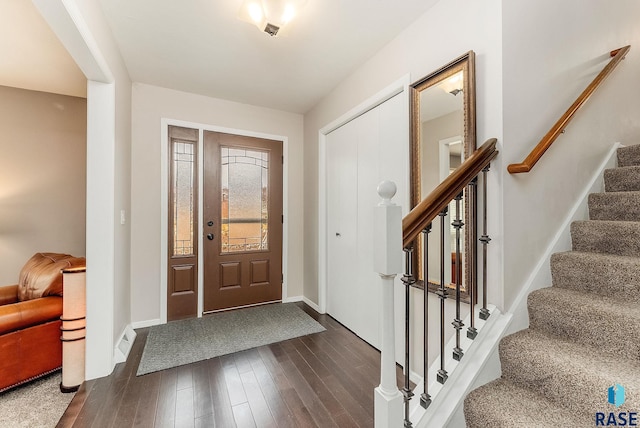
(466, 65)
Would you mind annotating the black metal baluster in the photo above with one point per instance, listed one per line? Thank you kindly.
(425, 398)
(472, 332)
(484, 312)
(442, 293)
(457, 322)
(408, 279)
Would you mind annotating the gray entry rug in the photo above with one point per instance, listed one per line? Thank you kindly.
(36, 404)
(187, 341)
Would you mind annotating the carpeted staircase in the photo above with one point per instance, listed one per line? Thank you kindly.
(584, 331)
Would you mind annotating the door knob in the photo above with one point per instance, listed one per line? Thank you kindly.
(337, 234)
(209, 223)
(210, 236)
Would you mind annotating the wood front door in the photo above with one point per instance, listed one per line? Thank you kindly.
(242, 221)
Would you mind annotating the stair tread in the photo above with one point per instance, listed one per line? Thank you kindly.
(616, 195)
(501, 403)
(599, 257)
(598, 273)
(600, 322)
(567, 372)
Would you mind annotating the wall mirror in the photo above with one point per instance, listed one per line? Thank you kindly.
(443, 134)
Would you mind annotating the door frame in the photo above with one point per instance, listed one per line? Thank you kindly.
(164, 203)
(400, 86)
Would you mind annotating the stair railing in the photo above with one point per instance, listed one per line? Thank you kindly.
(389, 400)
(527, 164)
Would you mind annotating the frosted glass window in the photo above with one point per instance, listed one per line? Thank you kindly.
(245, 192)
(183, 197)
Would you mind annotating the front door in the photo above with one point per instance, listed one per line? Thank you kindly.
(242, 220)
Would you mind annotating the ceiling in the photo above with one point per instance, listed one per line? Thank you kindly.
(200, 46)
(32, 56)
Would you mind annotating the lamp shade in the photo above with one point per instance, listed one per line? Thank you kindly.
(73, 328)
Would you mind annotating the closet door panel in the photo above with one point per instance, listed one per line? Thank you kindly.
(342, 215)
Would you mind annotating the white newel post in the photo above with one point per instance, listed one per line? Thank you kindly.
(387, 261)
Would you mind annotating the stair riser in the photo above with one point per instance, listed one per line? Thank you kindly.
(629, 156)
(617, 206)
(616, 277)
(610, 333)
(622, 179)
(581, 391)
(617, 237)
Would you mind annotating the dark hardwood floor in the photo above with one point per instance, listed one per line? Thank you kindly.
(321, 380)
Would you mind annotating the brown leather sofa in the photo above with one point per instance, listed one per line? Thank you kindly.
(30, 319)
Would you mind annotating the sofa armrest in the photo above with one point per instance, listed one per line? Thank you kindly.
(8, 294)
(21, 315)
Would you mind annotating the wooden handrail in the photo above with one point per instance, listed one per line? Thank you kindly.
(557, 129)
(424, 213)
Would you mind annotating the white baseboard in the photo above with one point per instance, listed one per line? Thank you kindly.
(292, 299)
(124, 344)
(146, 323)
(313, 305)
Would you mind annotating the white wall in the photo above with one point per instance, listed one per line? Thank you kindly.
(81, 27)
(42, 177)
(418, 50)
(150, 105)
(121, 152)
(552, 50)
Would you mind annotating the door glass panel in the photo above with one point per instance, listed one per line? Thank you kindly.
(183, 197)
(245, 191)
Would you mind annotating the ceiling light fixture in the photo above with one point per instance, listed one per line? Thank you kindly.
(270, 16)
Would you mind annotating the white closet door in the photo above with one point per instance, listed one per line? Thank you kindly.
(342, 215)
(360, 154)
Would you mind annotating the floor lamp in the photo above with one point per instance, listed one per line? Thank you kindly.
(73, 328)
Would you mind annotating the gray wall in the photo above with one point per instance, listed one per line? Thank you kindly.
(42, 177)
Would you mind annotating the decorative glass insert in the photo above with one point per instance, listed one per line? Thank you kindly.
(183, 197)
(245, 190)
